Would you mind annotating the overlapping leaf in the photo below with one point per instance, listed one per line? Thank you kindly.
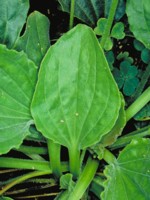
(18, 78)
(35, 40)
(129, 177)
(12, 18)
(76, 100)
(139, 19)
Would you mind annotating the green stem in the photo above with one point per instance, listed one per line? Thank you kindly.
(74, 161)
(108, 156)
(138, 104)
(6, 162)
(97, 186)
(32, 150)
(54, 151)
(109, 22)
(72, 7)
(123, 141)
(23, 178)
(84, 180)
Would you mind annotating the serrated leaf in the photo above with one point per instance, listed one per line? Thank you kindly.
(118, 31)
(138, 13)
(76, 96)
(35, 40)
(87, 11)
(12, 18)
(129, 176)
(18, 78)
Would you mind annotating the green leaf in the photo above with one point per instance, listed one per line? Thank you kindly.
(138, 13)
(88, 11)
(138, 45)
(111, 137)
(101, 24)
(118, 31)
(75, 91)
(18, 78)
(66, 182)
(35, 40)
(12, 18)
(129, 176)
(145, 55)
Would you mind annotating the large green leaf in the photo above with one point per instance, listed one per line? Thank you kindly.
(129, 177)
(87, 11)
(138, 13)
(35, 40)
(18, 78)
(76, 100)
(13, 15)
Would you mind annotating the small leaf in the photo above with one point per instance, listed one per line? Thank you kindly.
(129, 176)
(35, 40)
(66, 182)
(101, 24)
(73, 93)
(145, 55)
(13, 14)
(118, 31)
(108, 44)
(138, 13)
(138, 45)
(87, 11)
(18, 78)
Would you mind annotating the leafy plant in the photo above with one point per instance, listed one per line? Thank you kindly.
(65, 96)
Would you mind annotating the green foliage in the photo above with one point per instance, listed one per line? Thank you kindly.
(139, 20)
(12, 18)
(128, 177)
(126, 77)
(117, 32)
(76, 105)
(145, 53)
(16, 94)
(35, 40)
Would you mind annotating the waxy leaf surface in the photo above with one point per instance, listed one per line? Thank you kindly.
(18, 78)
(138, 13)
(13, 15)
(129, 177)
(76, 100)
(35, 40)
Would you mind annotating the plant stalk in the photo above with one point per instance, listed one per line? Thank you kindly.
(84, 180)
(108, 156)
(138, 104)
(54, 151)
(6, 162)
(111, 16)
(74, 161)
(72, 8)
(23, 178)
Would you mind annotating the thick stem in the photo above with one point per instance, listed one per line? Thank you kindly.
(72, 7)
(74, 161)
(54, 151)
(16, 163)
(109, 22)
(23, 178)
(138, 104)
(32, 150)
(108, 156)
(84, 180)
